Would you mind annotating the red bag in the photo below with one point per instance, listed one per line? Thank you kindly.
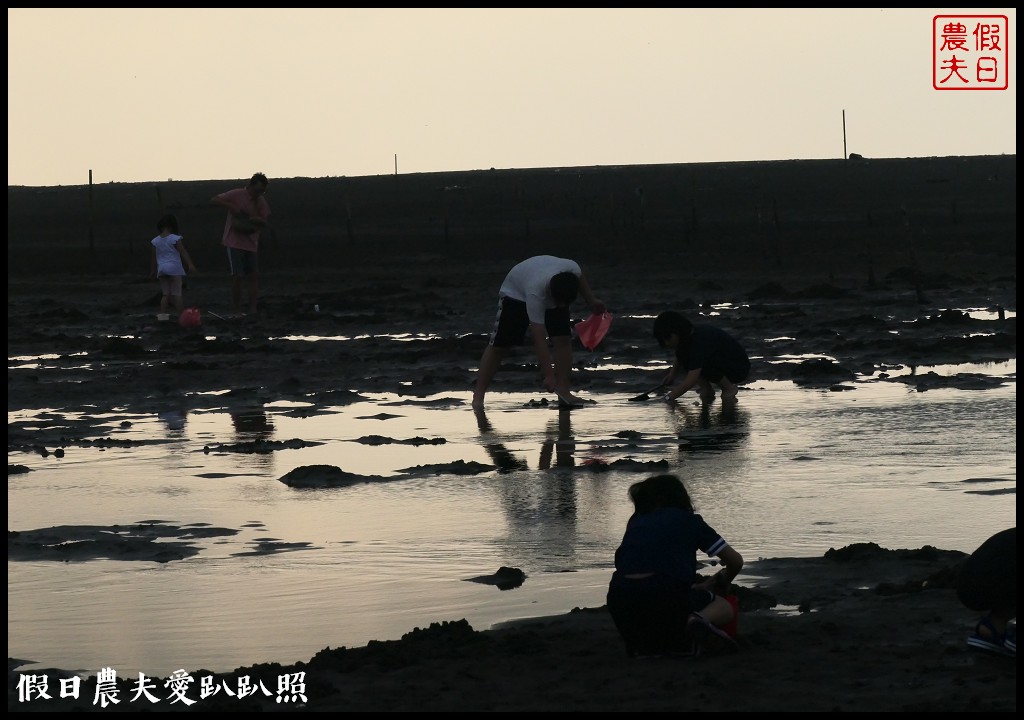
(190, 318)
(592, 330)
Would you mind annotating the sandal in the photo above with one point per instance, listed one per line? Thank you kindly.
(986, 637)
(706, 637)
(1010, 640)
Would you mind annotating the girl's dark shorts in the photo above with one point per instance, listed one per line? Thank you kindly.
(651, 613)
(512, 323)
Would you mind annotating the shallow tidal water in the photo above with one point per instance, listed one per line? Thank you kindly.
(787, 472)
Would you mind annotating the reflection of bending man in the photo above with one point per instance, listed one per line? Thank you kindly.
(564, 446)
(501, 455)
(252, 421)
(558, 444)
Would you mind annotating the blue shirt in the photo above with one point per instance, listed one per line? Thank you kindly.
(665, 542)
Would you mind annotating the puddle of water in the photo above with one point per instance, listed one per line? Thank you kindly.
(787, 472)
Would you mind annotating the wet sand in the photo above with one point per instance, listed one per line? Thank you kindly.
(862, 629)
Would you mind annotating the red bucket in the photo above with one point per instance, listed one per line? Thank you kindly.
(190, 318)
(592, 330)
(732, 628)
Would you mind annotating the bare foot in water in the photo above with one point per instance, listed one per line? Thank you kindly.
(567, 399)
(729, 390)
(706, 392)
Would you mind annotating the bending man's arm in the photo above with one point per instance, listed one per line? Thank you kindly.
(596, 306)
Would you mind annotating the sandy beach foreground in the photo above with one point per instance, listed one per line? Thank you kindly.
(862, 629)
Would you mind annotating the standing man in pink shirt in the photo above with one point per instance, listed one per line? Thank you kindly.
(247, 216)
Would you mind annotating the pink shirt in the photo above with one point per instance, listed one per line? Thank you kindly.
(239, 200)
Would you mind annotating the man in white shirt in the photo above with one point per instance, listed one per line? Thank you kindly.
(535, 298)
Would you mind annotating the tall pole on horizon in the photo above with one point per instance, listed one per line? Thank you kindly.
(92, 234)
(844, 134)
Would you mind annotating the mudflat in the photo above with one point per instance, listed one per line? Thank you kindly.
(825, 270)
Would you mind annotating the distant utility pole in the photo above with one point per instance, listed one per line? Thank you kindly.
(92, 215)
(396, 163)
(844, 133)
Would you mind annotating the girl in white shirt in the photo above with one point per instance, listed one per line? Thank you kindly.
(169, 260)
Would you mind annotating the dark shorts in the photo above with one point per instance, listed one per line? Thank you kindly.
(737, 373)
(651, 614)
(512, 323)
(242, 262)
(987, 579)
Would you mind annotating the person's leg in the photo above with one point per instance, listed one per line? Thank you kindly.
(235, 270)
(729, 389)
(175, 293)
(705, 627)
(995, 622)
(562, 352)
(705, 390)
(236, 293)
(254, 292)
(558, 325)
(562, 356)
(718, 612)
(252, 272)
(510, 324)
(165, 291)
(489, 364)
(650, 619)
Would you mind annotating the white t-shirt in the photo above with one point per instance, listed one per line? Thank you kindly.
(168, 259)
(528, 282)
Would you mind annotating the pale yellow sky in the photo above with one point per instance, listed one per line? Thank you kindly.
(194, 94)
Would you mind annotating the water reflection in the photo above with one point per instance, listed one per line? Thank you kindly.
(253, 428)
(710, 427)
(541, 508)
(560, 440)
(788, 471)
(251, 423)
(174, 419)
(499, 454)
(558, 445)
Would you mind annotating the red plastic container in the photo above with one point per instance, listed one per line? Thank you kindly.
(190, 318)
(592, 330)
(732, 628)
